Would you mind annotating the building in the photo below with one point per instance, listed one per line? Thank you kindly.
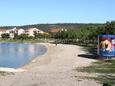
(32, 31)
(20, 31)
(2, 31)
(55, 30)
(11, 35)
(12, 32)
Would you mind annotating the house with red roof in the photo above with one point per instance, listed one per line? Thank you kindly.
(2, 31)
(55, 30)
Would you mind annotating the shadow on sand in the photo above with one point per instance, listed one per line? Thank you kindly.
(90, 56)
(92, 53)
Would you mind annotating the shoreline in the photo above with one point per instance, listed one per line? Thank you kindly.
(40, 60)
(55, 68)
(26, 66)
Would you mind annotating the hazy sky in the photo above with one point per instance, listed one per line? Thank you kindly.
(22, 12)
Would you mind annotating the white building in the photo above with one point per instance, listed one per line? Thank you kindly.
(32, 31)
(21, 31)
(2, 31)
(11, 35)
(7, 31)
(14, 30)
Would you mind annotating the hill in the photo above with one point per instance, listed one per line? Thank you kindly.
(47, 27)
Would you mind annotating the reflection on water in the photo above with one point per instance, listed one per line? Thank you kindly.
(15, 55)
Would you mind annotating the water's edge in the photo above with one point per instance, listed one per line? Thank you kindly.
(20, 69)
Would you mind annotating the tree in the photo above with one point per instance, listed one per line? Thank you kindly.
(22, 36)
(5, 35)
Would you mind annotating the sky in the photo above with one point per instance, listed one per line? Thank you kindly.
(24, 12)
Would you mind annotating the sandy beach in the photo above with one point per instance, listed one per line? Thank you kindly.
(55, 68)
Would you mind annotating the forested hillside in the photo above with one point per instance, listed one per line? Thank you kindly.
(47, 27)
(83, 33)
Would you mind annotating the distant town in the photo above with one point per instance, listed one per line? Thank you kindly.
(30, 32)
(65, 32)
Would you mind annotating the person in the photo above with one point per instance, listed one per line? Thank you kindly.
(106, 45)
(106, 48)
(56, 42)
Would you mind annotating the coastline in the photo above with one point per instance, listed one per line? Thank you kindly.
(55, 68)
(40, 60)
(26, 66)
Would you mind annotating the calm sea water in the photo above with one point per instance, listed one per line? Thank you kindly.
(15, 55)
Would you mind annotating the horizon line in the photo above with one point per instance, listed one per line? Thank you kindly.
(53, 23)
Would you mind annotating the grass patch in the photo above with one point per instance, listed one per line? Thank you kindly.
(91, 50)
(103, 68)
(2, 73)
(102, 80)
(100, 67)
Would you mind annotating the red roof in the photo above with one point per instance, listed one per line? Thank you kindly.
(2, 30)
(55, 30)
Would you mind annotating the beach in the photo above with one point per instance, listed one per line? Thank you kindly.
(55, 68)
